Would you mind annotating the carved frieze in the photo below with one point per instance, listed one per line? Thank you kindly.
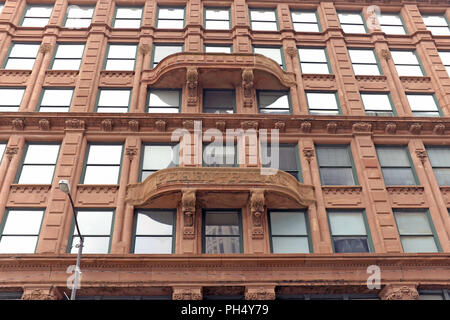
(362, 127)
(221, 125)
(439, 129)
(106, 125)
(39, 294)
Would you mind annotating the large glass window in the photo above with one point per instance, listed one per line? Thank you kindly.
(22, 56)
(416, 231)
(154, 231)
(352, 22)
(217, 18)
(335, 165)
(263, 19)
(348, 231)
(222, 231)
(102, 165)
(68, 57)
(288, 158)
(322, 103)
(38, 164)
(158, 156)
(377, 104)
(274, 102)
(289, 231)
(271, 53)
(423, 105)
(218, 101)
(128, 17)
(37, 15)
(17, 236)
(121, 57)
(437, 24)
(440, 161)
(55, 100)
(313, 60)
(160, 51)
(164, 101)
(364, 62)
(396, 165)
(305, 21)
(445, 57)
(407, 63)
(10, 99)
(443, 294)
(113, 100)
(391, 23)
(170, 18)
(79, 16)
(217, 154)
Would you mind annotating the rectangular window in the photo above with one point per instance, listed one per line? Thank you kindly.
(322, 103)
(396, 166)
(407, 63)
(160, 51)
(314, 60)
(440, 161)
(2, 149)
(217, 49)
(391, 23)
(79, 16)
(154, 231)
(55, 100)
(17, 236)
(222, 231)
(128, 17)
(102, 165)
(416, 231)
(305, 21)
(437, 24)
(349, 232)
(10, 99)
(335, 165)
(68, 57)
(170, 18)
(217, 154)
(218, 101)
(289, 232)
(164, 101)
(443, 294)
(121, 57)
(274, 102)
(377, 104)
(113, 100)
(271, 53)
(96, 228)
(364, 62)
(352, 22)
(22, 56)
(288, 158)
(38, 164)
(157, 157)
(445, 57)
(423, 105)
(37, 15)
(217, 18)
(263, 19)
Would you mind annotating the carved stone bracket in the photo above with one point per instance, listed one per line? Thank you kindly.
(131, 152)
(399, 292)
(415, 128)
(257, 204)
(11, 151)
(362, 127)
(391, 128)
(439, 129)
(384, 53)
(161, 125)
(187, 293)
(332, 127)
(306, 127)
(133, 125)
(247, 85)
(291, 51)
(422, 155)
(106, 125)
(144, 48)
(44, 124)
(75, 124)
(308, 153)
(249, 125)
(260, 293)
(221, 125)
(18, 124)
(280, 125)
(192, 86)
(188, 202)
(189, 124)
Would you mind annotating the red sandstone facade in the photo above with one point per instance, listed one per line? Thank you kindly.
(256, 273)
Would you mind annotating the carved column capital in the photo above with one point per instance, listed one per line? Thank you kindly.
(308, 153)
(399, 292)
(291, 51)
(45, 47)
(131, 152)
(260, 293)
(422, 155)
(385, 53)
(185, 293)
(11, 151)
(144, 48)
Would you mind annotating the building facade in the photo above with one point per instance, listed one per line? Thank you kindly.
(123, 99)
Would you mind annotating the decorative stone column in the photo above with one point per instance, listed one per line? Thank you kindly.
(187, 293)
(399, 292)
(260, 293)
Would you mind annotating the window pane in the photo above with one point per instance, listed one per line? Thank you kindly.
(217, 25)
(222, 245)
(343, 245)
(94, 222)
(170, 24)
(92, 245)
(216, 14)
(273, 100)
(219, 101)
(122, 51)
(127, 24)
(218, 49)
(262, 15)
(155, 223)
(35, 22)
(290, 245)
(16, 244)
(163, 51)
(393, 157)
(430, 297)
(264, 26)
(77, 23)
(215, 155)
(15, 222)
(171, 13)
(418, 244)
(362, 56)
(164, 98)
(398, 177)
(157, 157)
(288, 157)
(21, 50)
(288, 223)
(114, 98)
(315, 68)
(321, 100)
(413, 223)
(354, 18)
(105, 154)
(312, 55)
(11, 97)
(39, 11)
(442, 176)
(101, 175)
(272, 53)
(56, 97)
(434, 20)
(153, 245)
(347, 223)
(376, 101)
(298, 16)
(439, 31)
(421, 102)
(19, 64)
(404, 57)
(366, 69)
(2, 149)
(349, 28)
(333, 156)
(226, 223)
(406, 71)
(72, 64)
(70, 51)
(439, 157)
(45, 154)
(306, 27)
(337, 176)
(80, 12)
(129, 13)
(127, 65)
(36, 174)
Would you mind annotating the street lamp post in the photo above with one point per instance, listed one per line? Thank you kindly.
(64, 186)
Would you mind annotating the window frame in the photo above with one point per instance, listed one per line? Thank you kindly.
(128, 19)
(86, 6)
(443, 15)
(289, 101)
(411, 163)
(445, 293)
(327, 57)
(29, 5)
(100, 89)
(414, 51)
(105, 62)
(307, 225)
(295, 10)
(377, 60)
(353, 24)
(241, 237)
(230, 24)
(336, 96)
(41, 97)
(8, 54)
(205, 90)
(388, 94)
(352, 162)
(263, 9)
(428, 147)
(162, 44)
(174, 229)
(297, 157)
(170, 7)
(52, 61)
(438, 107)
(205, 45)
(21, 100)
(149, 90)
(399, 14)
(141, 158)
(446, 66)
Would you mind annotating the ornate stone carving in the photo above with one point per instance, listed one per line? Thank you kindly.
(144, 48)
(249, 125)
(45, 47)
(221, 125)
(439, 129)
(415, 128)
(44, 124)
(18, 124)
(291, 51)
(187, 294)
(11, 151)
(75, 124)
(131, 152)
(161, 125)
(38, 294)
(399, 292)
(332, 127)
(422, 155)
(192, 86)
(188, 202)
(257, 204)
(247, 85)
(280, 125)
(308, 153)
(189, 124)
(362, 127)
(305, 126)
(263, 293)
(385, 54)
(391, 128)
(106, 125)
(133, 125)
